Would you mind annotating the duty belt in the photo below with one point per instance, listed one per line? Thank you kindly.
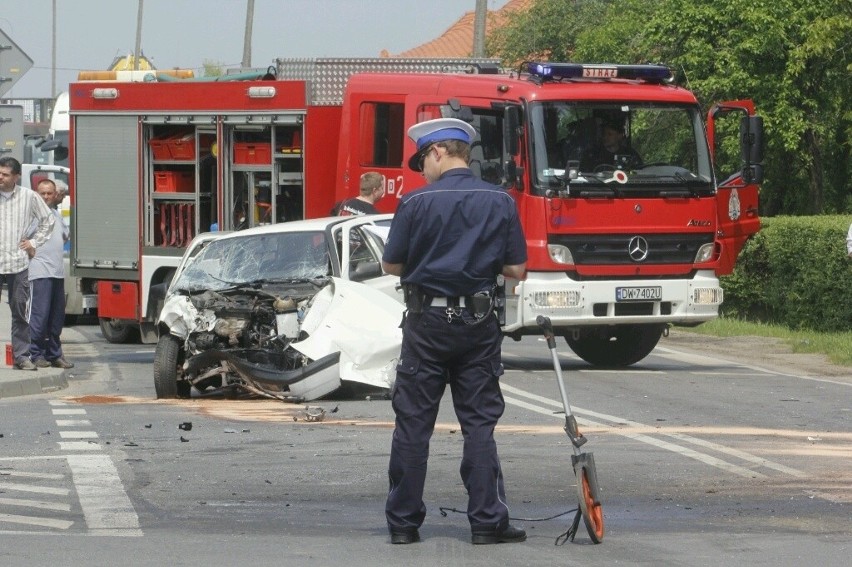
(448, 302)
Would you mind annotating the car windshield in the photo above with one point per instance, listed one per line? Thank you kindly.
(625, 148)
(257, 258)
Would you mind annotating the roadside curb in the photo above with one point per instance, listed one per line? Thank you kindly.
(35, 384)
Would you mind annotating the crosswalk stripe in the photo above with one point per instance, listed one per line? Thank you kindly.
(73, 422)
(61, 506)
(78, 434)
(68, 411)
(47, 476)
(106, 506)
(34, 521)
(79, 446)
(33, 488)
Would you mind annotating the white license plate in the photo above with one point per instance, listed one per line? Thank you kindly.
(649, 293)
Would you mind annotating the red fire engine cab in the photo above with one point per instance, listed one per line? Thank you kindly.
(625, 237)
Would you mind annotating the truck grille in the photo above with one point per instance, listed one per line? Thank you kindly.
(613, 249)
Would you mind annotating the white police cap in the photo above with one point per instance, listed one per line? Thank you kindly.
(427, 133)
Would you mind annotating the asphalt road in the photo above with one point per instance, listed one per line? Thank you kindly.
(702, 460)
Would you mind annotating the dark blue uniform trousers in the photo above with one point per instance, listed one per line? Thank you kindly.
(47, 314)
(436, 352)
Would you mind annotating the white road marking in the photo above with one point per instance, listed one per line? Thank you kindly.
(72, 422)
(618, 371)
(33, 521)
(105, 504)
(14, 486)
(68, 411)
(60, 506)
(737, 374)
(703, 360)
(708, 459)
(25, 474)
(78, 434)
(79, 446)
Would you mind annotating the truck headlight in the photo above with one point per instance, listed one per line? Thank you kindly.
(705, 253)
(560, 254)
(707, 296)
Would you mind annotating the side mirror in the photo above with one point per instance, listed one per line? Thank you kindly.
(752, 148)
(60, 153)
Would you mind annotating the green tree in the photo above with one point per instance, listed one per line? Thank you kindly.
(792, 57)
(213, 68)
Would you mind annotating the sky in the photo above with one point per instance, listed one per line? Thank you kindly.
(186, 33)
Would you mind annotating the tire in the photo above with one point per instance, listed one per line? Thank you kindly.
(116, 331)
(590, 506)
(621, 345)
(168, 357)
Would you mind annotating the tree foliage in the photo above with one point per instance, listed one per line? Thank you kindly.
(792, 57)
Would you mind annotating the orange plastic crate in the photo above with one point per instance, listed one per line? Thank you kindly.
(160, 149)
(174, 182)
(182, 147)
(247, 153)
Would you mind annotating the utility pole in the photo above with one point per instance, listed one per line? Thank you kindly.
(53, 55)
(479, 28)
(138, 37)
(246, 63)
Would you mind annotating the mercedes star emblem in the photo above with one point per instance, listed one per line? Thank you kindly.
(637, 249)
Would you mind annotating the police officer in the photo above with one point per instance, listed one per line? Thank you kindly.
(449, 241)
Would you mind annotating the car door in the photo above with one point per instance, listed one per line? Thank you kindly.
(362, 242)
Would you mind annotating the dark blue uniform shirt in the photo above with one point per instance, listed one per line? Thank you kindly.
(455, 235)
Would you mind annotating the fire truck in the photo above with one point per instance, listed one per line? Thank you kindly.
(623, 242)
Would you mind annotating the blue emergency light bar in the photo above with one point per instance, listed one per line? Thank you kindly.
(558, 71)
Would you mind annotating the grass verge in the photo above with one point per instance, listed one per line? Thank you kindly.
(837, 346)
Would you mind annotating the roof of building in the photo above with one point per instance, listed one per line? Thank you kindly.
(457, 41)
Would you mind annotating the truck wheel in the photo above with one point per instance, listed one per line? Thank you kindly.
(116, 331)
(621, 345)
(168, 358)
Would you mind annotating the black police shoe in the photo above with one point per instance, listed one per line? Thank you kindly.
(404, 536)
(509, 534)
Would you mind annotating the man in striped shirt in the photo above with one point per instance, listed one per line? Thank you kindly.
(19, 206)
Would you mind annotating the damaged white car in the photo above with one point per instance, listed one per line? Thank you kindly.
(292, 311)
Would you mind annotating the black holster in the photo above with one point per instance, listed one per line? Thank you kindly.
(415, 298)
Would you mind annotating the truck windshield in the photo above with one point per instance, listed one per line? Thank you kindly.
(643, 149)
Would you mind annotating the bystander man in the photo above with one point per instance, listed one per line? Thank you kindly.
(19, 206)
(47, 287)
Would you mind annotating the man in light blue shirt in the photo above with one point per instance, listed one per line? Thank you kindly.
(47, 287)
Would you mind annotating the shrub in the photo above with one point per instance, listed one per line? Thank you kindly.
(795, 273)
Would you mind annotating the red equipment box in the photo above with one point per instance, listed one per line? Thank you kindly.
(174, 182)
(247, 153)
(160, 149)
(182, 147)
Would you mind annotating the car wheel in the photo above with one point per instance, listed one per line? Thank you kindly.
(168, 357)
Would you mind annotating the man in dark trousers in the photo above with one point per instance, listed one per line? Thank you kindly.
(449, 241)
(47, 287)
(19, 206)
